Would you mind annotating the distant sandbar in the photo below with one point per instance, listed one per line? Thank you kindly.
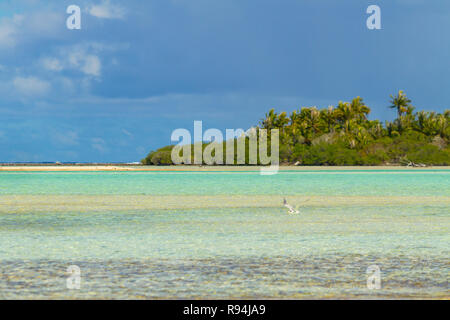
(33, 168)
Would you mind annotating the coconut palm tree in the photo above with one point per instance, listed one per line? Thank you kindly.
(281, 120)
(328, 117)
(360, 110)
(311, 118)
(305, 132)
(361, 136)
(294, 118)
(421, 121)
(441, 125)
(375, 129)
(447, 114)
(344, 115)
(392, 129)
(269, 121)
(427, 123)
(314, 120)
(293, 128)
(400, 102)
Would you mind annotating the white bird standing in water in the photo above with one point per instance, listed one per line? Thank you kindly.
(291, 208)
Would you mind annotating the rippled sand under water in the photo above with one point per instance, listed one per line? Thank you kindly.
(223, 243)
(341, 277)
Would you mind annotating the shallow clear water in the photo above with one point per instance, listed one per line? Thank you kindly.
(225, 234)
(401, 183)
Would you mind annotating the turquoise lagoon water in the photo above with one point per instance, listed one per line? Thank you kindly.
(159, 235)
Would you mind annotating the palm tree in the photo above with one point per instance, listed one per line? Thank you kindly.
(269, 121)
(400, 102)
(314, 119)
(311, 118)
(361, 136)
(375, 128)
(293, 128)
(359, 109)
(421, 121)
(281, 120)
(305, 132)
(274, 120)
(344, 114)
(391, 129)
(328, 117)
(427, 123)
(441, 125)
(294, 118)
(447, 114)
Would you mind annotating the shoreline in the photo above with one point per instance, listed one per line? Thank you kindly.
(123, 168)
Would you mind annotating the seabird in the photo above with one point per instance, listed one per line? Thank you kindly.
(291, 208)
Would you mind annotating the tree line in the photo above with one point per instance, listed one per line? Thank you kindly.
(343, 135)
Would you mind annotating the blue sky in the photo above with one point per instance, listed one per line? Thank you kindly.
(137, 70)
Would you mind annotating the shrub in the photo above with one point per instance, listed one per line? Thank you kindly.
(161, 156)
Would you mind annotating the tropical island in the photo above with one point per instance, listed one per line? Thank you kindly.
(344, 136)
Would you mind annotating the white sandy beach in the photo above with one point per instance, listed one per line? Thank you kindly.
(32, 168)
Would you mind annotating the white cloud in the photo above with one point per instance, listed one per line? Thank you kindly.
(30, 28)
(82, 57)
(52, 64)
(31, 86)
(9, 29)
(79, 58)
(7, 35)
(106, 10)
(44, 25)
(92, 65)
(126, 132)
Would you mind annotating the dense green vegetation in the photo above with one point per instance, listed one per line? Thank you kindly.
(344, 135)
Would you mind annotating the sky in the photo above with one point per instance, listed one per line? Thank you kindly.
(137, 70)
